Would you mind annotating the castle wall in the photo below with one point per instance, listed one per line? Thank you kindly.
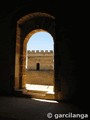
(40, 77)
(45, 60)
(40, 67)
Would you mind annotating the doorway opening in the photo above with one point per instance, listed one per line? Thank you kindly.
(40, 65)
(27, 26)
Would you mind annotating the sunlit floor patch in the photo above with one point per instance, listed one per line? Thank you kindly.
(43, 100)
(46, 88)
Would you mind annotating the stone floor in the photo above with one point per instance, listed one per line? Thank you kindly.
(16, 108)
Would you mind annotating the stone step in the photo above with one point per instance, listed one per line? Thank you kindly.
(40, 94)
(20, 93)
(50, 95)
(40, 91)
(35, 94)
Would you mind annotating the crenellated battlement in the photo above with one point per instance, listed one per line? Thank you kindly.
(40, 51)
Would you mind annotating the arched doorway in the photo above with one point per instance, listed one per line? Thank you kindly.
(40, 65)
(26, 26)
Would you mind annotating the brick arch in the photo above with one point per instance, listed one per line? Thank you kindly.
(34, 21)
(33, 15)
(26, 26)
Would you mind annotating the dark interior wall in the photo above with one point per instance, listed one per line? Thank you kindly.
(7, 55)
(69, 52)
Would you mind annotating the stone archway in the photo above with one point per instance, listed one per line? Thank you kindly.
(26, 26)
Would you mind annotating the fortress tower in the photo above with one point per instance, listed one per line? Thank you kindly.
(40, 60)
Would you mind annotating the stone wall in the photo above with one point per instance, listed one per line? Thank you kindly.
(40, 67)
(42, 60)
(40, 77)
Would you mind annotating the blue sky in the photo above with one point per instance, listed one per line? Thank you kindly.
(40, 41)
